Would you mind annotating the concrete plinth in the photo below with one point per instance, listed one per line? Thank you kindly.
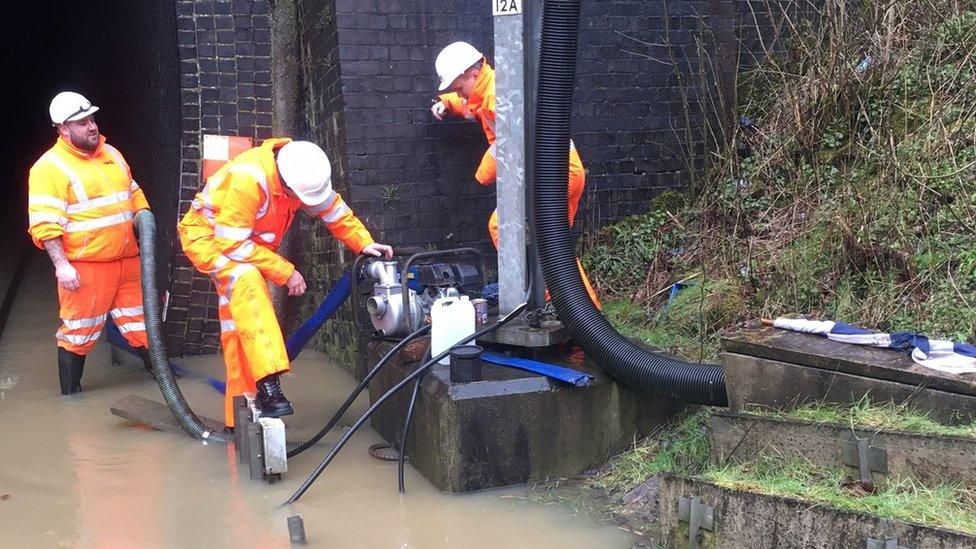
(779, 369)
(514, 427)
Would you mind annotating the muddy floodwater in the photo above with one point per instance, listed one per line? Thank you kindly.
(73, 475)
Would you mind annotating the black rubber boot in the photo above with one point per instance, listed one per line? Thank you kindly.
(71, 366)
(271, 400)
(144, 355)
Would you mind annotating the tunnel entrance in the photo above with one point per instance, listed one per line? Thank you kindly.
(123, 56)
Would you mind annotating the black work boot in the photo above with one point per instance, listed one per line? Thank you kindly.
(70, 368)
(271, 400)
(144, 355)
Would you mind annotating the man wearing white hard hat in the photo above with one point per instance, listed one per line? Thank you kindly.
(231, 233)
(469, 81)
(81, 202)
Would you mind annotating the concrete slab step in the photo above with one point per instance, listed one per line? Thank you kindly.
(776, 384)
(821, 353)
(747, 520)
(929, 459)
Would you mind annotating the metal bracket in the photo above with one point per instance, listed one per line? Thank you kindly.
(698, 516)
(889, 542)
(858, 452)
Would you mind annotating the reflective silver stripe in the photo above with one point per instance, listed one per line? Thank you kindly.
(79, 339)
(228, 326)
(572, 146)
(258, 175)
(126, 311)
(314, 211)
(232, 233)
(36, 218)
(99, 202)
(133, 186)
(491, 151)
(221, 261)
(76, 323)
(242, 252)
(268, 237)
(337, 212)
(76, 185)
(45, 200)
(98, 223)
(132, 327)
(222, 301)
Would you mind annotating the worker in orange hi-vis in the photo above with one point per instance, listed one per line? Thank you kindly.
(231, 233)
(470, 82)
(81, 202)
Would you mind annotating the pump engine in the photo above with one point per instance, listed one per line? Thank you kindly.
(404, 294)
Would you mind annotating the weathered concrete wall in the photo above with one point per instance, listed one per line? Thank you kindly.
(744, 520)
(929, 459)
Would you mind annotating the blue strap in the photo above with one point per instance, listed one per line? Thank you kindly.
(294, 345)
(335, 299)
(568, 375)
(116, 338)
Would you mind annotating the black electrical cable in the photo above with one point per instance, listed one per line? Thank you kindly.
(406, 425)
(386, 396)
(634, 366)
(145, 224)
(359, 389)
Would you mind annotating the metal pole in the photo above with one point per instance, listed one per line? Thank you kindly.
(510, 154)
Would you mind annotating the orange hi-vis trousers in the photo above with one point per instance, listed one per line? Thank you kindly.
(576, 184)
(249, 332)
(107, 287)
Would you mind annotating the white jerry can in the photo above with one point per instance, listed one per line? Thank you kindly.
(451, 319)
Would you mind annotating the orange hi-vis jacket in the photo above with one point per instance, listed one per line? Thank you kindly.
(480, 106)
(86, 199)
(245, 208)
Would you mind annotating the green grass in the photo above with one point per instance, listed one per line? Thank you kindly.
(683, 449)
(944, 506)
(889, 416)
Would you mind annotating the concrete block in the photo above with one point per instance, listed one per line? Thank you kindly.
(780, 385)
(819, 352)
(746, 520)
(929, 459)
(514, 427)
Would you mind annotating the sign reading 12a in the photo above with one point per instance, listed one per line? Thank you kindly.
(506, 7)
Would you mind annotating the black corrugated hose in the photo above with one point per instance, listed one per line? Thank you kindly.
(146, 228)
(636, 367)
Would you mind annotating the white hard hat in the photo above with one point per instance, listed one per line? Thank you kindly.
(306, 170)
(453, 60)
(68, 106)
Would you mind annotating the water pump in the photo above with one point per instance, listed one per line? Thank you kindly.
(403, 294)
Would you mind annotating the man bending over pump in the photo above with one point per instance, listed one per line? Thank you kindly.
(231, 233)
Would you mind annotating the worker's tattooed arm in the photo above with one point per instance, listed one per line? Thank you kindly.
(66, 274)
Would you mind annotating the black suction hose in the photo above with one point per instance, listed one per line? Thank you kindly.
(145, 225)
(636, 367)
(406, 425)
(386, 396)
(359, 388)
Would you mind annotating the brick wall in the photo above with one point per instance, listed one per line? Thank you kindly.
(644, 71)
(225, 78)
